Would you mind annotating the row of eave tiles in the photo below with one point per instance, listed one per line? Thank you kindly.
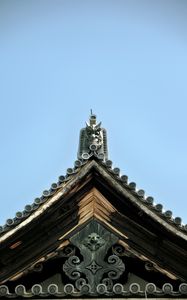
(140, 194)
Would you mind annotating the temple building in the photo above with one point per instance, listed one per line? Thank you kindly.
(93, 235)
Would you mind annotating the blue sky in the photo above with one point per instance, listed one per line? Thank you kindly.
(127, 60)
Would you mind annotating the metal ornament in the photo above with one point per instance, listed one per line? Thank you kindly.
(93, 140)
(94, 266)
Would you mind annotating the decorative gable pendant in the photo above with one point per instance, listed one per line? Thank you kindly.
(96, 267)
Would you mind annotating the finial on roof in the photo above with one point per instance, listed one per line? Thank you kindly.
(92, 119)
(93, 140)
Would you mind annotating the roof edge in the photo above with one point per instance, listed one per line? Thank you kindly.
(66, 183)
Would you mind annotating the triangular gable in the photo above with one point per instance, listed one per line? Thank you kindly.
(133, 242)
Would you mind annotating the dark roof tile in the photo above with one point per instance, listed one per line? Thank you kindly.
(140, 195)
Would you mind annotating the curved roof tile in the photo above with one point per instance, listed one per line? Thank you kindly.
(123, 179)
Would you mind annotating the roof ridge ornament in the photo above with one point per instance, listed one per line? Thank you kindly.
(93, 140)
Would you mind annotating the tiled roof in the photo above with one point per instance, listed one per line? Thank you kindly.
(115, 172)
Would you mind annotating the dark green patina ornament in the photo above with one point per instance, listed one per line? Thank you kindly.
(94, 266)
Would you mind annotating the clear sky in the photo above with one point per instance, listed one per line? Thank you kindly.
(127, 60)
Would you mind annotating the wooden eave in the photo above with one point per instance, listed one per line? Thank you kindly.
(94, 193)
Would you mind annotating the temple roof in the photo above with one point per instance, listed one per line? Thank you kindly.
(93, 200)
(93, 152)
